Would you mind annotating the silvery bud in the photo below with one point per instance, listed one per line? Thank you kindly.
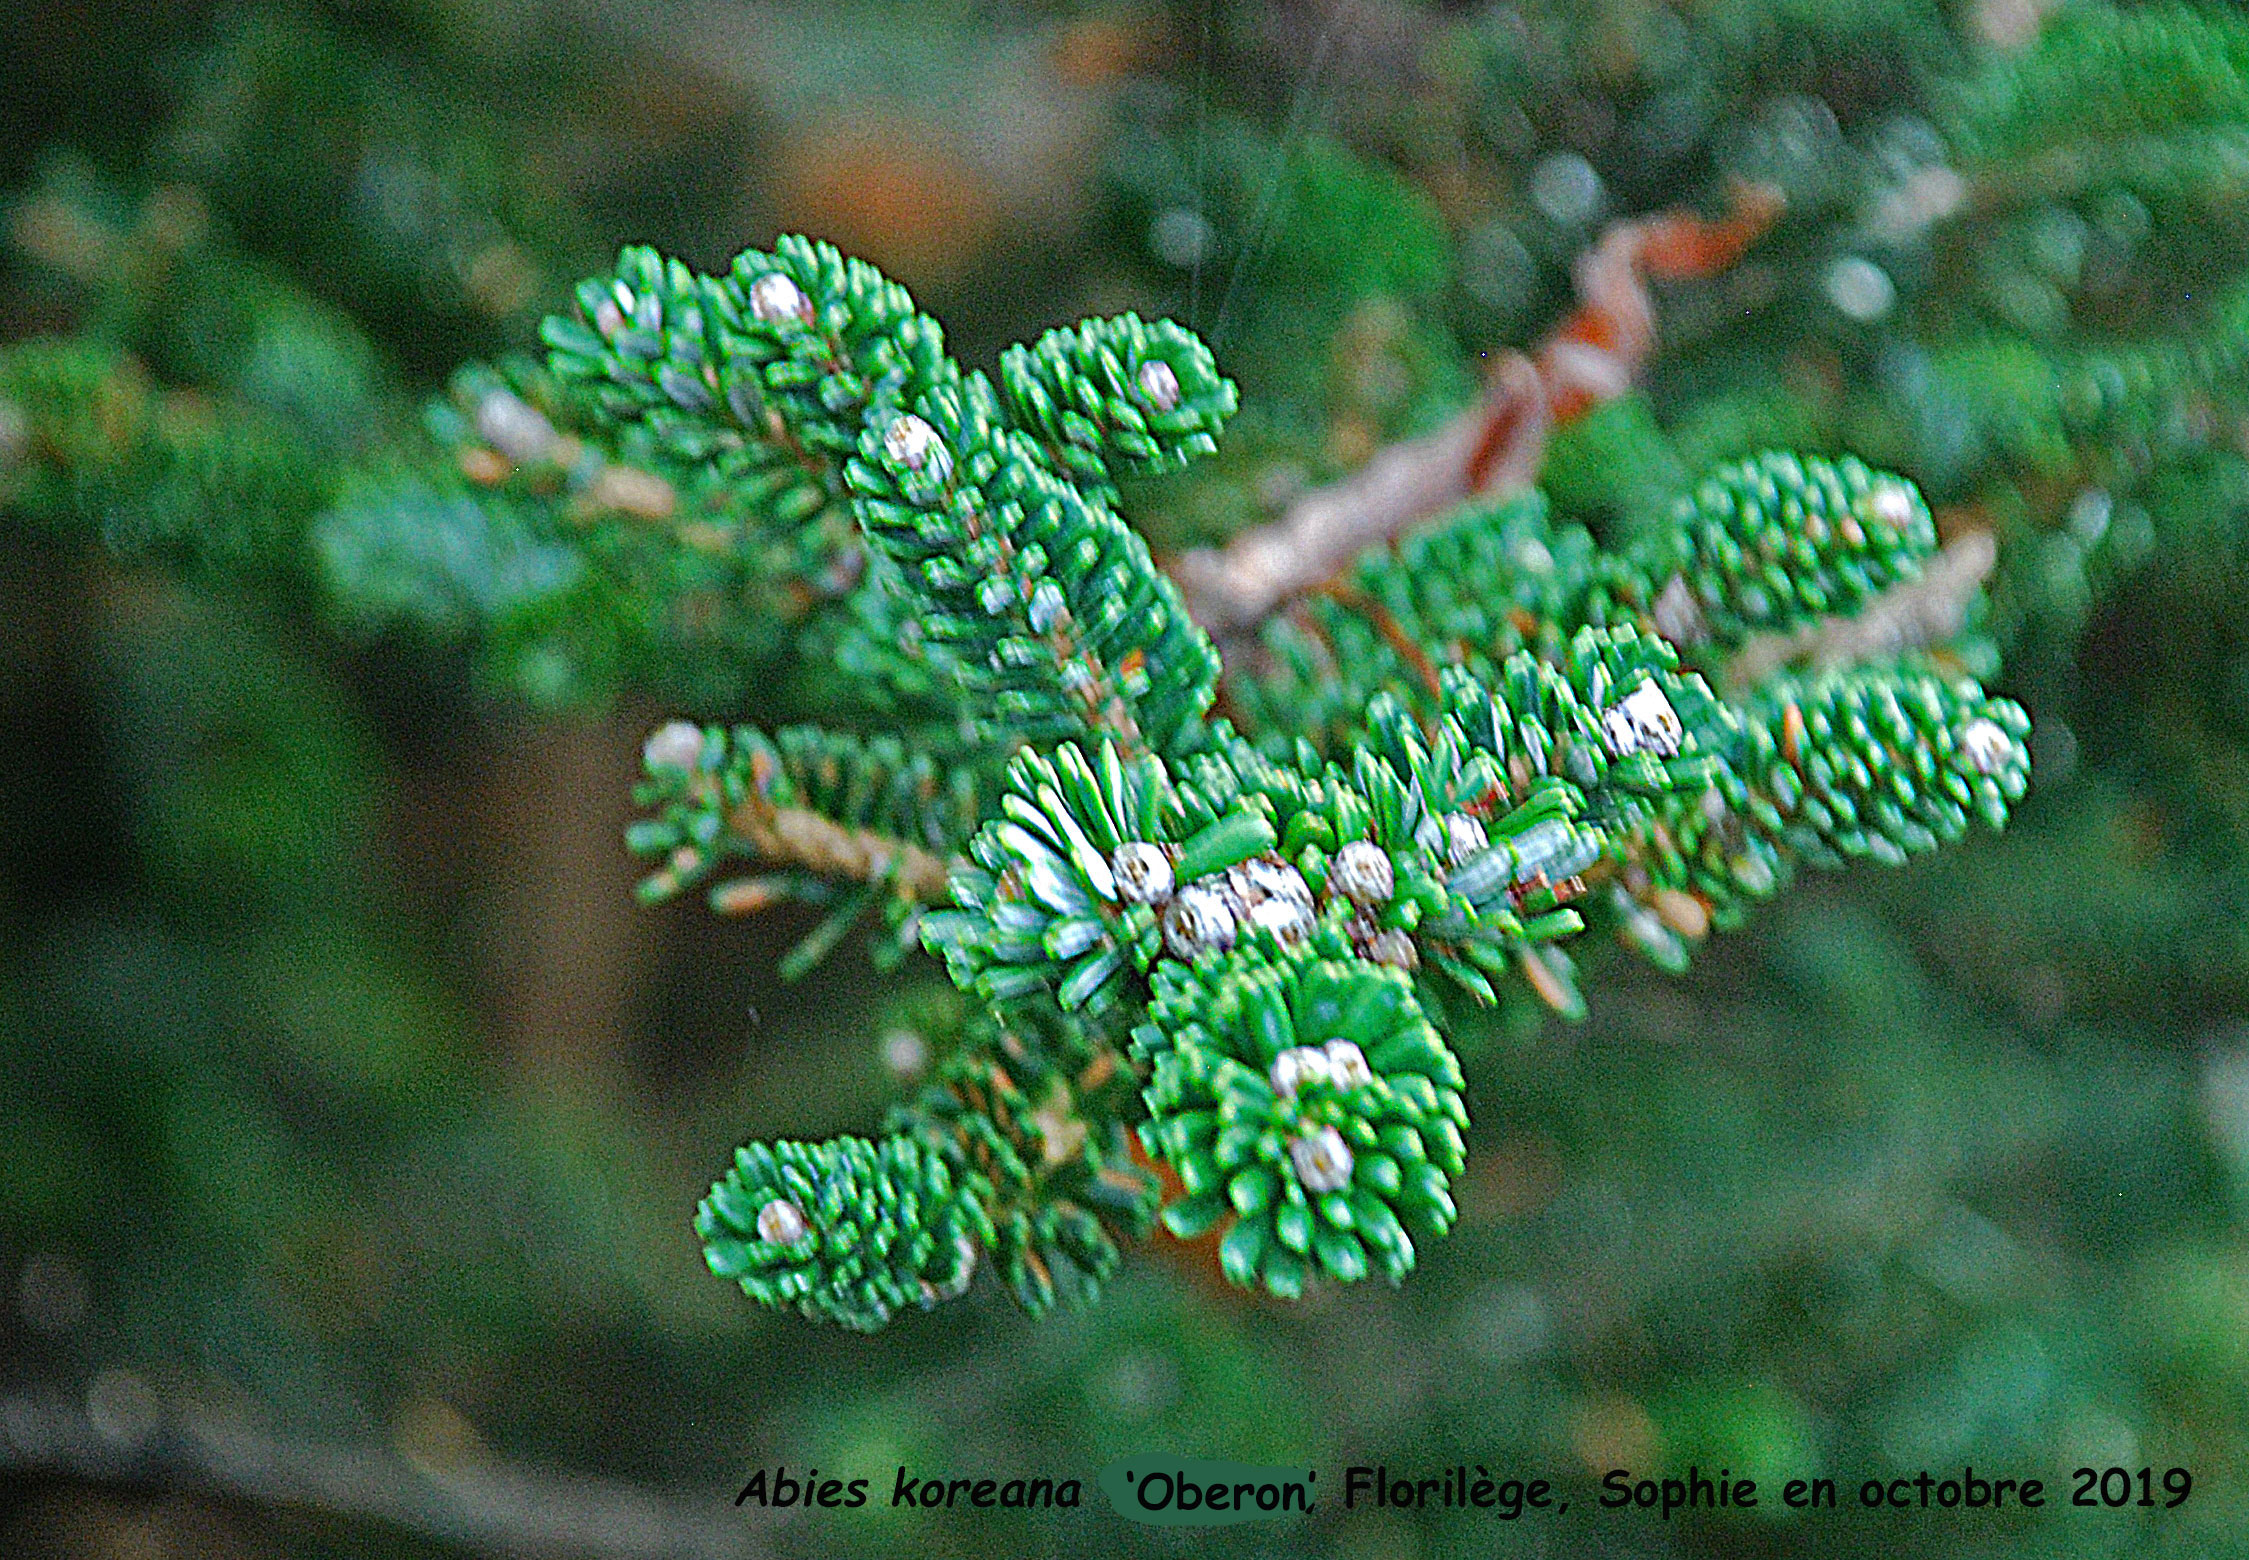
(1361, 872)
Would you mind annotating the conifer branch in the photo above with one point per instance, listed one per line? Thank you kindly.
(1459, 752)
(1503, 749)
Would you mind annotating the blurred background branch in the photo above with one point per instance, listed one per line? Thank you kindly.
(121, 1441)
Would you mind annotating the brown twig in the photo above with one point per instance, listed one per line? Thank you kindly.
(1926, 610)
(1236, 587)
(1392, 631)
(797, 836)
(1494, 446)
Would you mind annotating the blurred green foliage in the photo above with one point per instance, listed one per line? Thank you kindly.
(344, 1091)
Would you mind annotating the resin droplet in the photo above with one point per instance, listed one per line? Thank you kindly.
(1986, 746)
(515, 427)
(1200, 919)
(1297, 1066)
(1643, 720)
(1676, 615)
(914, 444)
(1160, 384)
(905, 1053)
(1286, 919)
(1322, 1160)
(1347, 1064)
(676, 744)
(1143, 873)
(1394, 948)
(781, 1223)
(774, 298)
(1891, 504)
(1464, 836)
(1275, 896)
(1361, 873)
